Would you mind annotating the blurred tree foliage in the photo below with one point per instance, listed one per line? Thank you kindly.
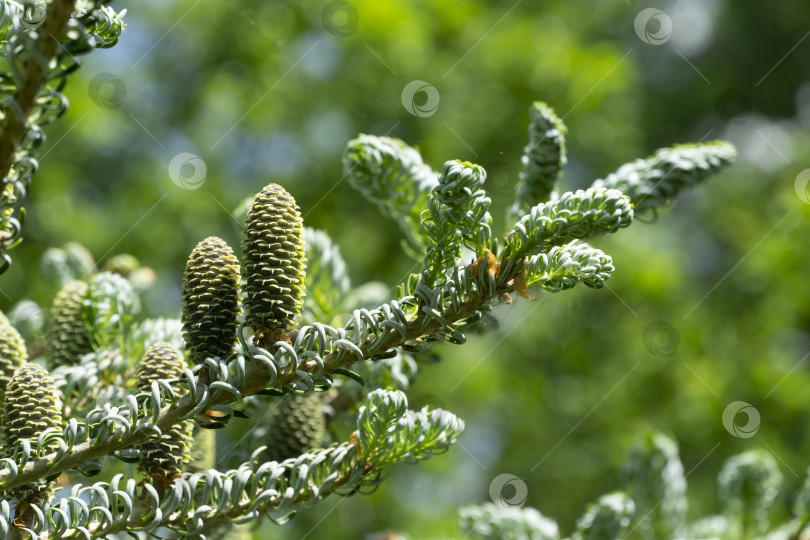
(267, 91)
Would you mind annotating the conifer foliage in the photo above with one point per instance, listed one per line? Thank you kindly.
(134, 388)
(261, 331)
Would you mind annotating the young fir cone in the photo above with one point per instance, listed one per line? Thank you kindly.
(67, 337)
(31, 406)
(273, 248)
(210, 300)
(296, 425)
(13, 353)
(162, 461)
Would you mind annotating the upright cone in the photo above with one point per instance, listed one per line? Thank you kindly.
(162, 461)
(13, 353)
(273, 248)
(31, 406)
(210, 300)
(67, 337)
(296, 425)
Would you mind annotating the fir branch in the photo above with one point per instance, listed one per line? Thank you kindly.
(319, 351)
(36, 70)
(654, 478)
(562, 267)
(748, 485)
(255, 488)
(457, 215)
(505, 522)
(606, 519)
(327, 280)
(392, 175)
(441, 301)
(543, 158)
(574, 216)
(653, 182)
(39, 62)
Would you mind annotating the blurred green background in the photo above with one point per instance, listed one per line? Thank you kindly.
(272, 91)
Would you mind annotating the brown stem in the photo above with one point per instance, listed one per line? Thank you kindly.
(24, 518)
(49, 36)
(256, 378)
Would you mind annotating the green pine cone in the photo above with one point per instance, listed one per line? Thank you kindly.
(13, 354)
(296, 425)
(210, 300)
(273, 248)
(67, 337)
(31, 406)
(162, 461)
